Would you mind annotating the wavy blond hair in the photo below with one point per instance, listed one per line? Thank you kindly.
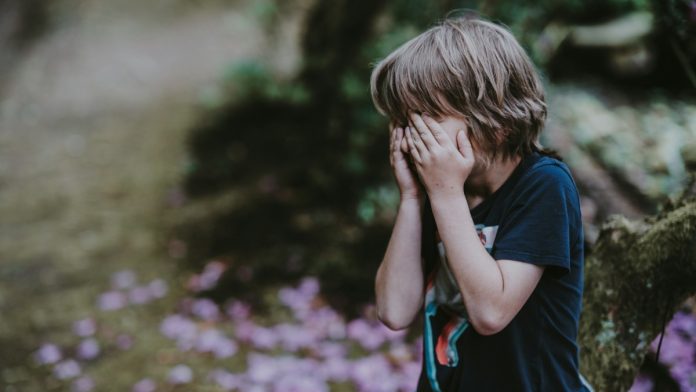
(466, 67)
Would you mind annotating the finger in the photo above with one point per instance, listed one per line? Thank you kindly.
(464, 144)
(398, 136)
(418, 142)
(437, 131)
(392, 144)
(424, 132)
(411, 145)
(391, 137)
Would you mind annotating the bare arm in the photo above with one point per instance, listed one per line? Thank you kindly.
(399, 281)
(493, 291)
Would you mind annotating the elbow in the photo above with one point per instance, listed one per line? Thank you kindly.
(489, 323)
(392, 322)
(487, 329)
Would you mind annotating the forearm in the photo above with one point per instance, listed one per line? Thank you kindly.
(399, 280)
(478, 275)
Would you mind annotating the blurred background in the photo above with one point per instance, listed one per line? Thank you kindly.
(196, 194)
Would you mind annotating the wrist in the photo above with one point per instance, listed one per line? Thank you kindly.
(411, 202)
(447, 196)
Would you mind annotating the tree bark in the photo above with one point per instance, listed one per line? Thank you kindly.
(638, 274)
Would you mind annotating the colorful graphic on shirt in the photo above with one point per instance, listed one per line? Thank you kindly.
(487, 235)
(444, 348)
(430, 311)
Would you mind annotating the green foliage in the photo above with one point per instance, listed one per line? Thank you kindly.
(572, 11)
(389, 40)
(251, 74)
(678, 16)
(251, 79)
(677, 19)
(353, 87)
(265, 11)
(375, 201)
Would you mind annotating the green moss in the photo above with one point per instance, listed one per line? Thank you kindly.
(638, 271)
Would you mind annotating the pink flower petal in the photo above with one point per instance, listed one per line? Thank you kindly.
(145, 385)
(85, 327)
(83, 384)
(47, 354)
(180, 374)
(112, 300)
(67, 369)
(88, 349)
(123, 279)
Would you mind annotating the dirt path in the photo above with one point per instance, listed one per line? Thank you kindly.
(92, 142)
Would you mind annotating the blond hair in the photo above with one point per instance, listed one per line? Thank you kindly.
(470, 68)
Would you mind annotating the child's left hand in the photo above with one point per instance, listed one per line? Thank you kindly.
(443, 167)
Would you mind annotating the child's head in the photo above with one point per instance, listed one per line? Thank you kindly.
(469, 68)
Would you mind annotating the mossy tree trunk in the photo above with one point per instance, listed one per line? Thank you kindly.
(639, 272)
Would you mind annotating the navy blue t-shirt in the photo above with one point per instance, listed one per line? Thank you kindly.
(534, 217)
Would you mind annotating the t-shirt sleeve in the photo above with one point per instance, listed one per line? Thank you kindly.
(540, 225)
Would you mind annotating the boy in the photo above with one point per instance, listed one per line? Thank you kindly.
(495, 218)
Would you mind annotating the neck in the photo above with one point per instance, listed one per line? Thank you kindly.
(484, 182)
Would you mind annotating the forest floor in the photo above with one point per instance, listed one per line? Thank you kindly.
(92, 137)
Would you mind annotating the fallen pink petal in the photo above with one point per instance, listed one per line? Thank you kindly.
(112, 300)
(48, 354)
(238, 310)
(145, 385)
(85, 327)
(83, 384)
(88, 349)
(140, 295)
(180, 374)
(123, 279)
(158, 288)
(205, 309)
(67, 369)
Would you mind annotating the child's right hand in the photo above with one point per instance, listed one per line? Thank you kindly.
(404, 173)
